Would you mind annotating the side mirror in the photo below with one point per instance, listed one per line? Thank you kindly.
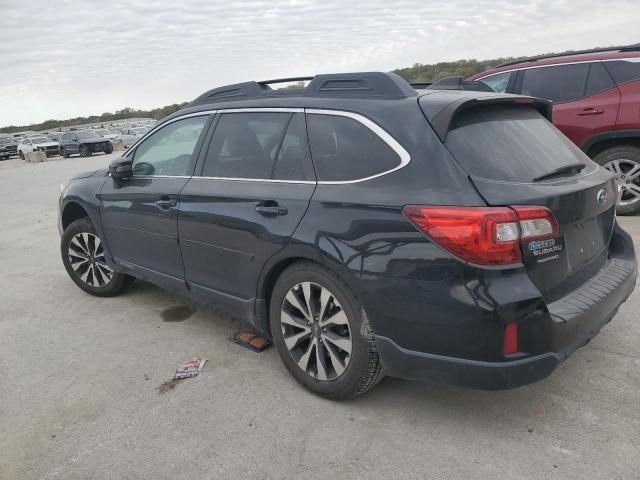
(120, 168)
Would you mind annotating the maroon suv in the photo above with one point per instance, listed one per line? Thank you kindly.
(596, 95)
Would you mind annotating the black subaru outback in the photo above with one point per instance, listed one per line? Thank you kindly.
(367, 228)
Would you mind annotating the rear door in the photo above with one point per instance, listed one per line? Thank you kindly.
(585, 98)
(251, 189)
(510, 152)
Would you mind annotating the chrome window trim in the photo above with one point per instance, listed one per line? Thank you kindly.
(265, 180)
(626, 59)
(403, 155)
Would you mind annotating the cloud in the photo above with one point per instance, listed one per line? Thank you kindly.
(74, 57)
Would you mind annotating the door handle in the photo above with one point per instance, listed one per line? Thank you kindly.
(590, 111)
(166, 203)
(271, 209)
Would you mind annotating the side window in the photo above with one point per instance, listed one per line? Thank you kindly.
(624, 71)
(344, 149)
(598, 79)
(498, 82)
(559, 84)
(169, 150)
(248, 145)
(293, 159)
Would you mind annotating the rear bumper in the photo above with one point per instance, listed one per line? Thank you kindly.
(572, 321)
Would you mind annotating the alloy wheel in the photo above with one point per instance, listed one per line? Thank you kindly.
(316, 331)
(86, 256)
(627, 174)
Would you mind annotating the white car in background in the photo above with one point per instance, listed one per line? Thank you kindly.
(42, 143)
(107, 133)
(131, 135)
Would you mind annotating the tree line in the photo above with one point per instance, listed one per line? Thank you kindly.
(105, 118)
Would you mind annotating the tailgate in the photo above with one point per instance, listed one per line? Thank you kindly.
(515, 156)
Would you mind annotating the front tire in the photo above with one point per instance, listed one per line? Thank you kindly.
(322, 332)
(624, 163)
(108, 148)
(64, 153)
(21, 155)
(83, 257)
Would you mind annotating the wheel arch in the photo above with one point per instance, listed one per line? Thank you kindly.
(601, 142)
(274, 268)
(72, 211)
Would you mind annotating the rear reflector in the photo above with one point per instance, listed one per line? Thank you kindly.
(510, 343)
(483, 235)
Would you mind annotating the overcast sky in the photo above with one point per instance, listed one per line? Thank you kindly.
(66, 58)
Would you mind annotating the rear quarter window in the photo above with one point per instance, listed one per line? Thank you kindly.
(345, 149)
(624, 71)
(510, 143)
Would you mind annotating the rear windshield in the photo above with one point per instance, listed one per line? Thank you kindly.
(511, 143)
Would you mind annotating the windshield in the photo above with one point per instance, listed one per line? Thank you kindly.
(6, 140)
(510, 144)
(87, 135)
(38, 140)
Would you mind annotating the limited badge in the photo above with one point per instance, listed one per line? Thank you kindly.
(542, 251)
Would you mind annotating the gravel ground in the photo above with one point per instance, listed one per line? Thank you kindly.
(79, 380)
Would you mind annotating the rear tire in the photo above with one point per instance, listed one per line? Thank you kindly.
(330, 351)
(83, 258)
(624, 163)
(84, 151)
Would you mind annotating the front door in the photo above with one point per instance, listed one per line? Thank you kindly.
(249, 194)
(140, 214)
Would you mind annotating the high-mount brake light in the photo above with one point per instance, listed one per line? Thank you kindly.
(483, 235)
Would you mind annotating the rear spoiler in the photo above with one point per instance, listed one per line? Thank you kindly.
(441, 108)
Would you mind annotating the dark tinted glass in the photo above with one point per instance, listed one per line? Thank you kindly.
(624, 71)
(598, 80)
(559, 84)
(509, 143)
(344, 149)
(292, 156)
(245, 145)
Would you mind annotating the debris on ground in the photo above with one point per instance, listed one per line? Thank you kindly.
(188, 368)
(250, 340)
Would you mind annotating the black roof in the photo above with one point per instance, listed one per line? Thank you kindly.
(379, 85)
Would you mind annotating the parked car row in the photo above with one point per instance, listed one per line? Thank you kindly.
(80, 142)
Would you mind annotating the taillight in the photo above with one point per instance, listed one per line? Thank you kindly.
(535, 222)
(483, 235)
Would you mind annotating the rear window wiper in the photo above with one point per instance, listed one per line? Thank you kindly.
(574, 167)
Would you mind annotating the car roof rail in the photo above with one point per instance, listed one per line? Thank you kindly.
(459, 83)
(622, 48)
(380, 85)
